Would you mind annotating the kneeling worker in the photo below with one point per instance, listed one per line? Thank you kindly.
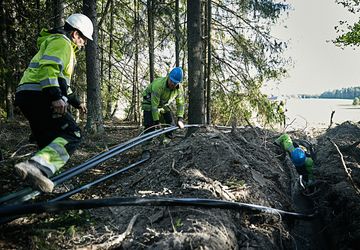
(158, 96)
(301, 157)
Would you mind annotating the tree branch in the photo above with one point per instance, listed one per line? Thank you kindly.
(357, 190)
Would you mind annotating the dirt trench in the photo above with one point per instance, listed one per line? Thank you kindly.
(241, 165)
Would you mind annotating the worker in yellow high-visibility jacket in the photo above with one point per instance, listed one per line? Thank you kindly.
(301, 157)
(159, 95)
(43, 95)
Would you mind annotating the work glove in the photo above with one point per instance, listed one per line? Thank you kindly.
(180, 123)
(157, 124)
(60, 106)
(161, 110)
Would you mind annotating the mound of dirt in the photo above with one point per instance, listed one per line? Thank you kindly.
(338, 170)
(238, 165)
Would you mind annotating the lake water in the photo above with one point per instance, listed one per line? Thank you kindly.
(309, 113)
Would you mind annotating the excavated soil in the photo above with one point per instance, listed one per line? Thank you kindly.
(240, 165)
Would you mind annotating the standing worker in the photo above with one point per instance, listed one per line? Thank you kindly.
(43, 96)
(158, 96)
(301, 157)
(281, 112)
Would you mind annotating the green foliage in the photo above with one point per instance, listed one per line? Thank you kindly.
(235, 183)
(243, 107)
(350, 34)
(2, 113)
(268, 8)
(69, 218)
(351, 5)
(178, 223)
(65, 224)
(245, 55)
(344, 93)
(352, 37)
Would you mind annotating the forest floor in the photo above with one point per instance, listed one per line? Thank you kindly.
(239, 165)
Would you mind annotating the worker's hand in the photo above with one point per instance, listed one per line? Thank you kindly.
(180, 123)
(82, 108)
(157, 124)
(161, 110)
(59, 106)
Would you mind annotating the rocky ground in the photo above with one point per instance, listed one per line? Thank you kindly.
(239, 165)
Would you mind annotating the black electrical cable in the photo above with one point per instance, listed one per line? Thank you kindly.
(87, 186)
(28, 193)
(10, 196)
(50, 207)
(97, 181)
(28, 190)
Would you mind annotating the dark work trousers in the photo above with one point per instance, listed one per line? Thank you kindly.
(148, 122)
(302, 171)
(45, 126)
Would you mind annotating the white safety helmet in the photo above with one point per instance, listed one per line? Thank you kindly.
(82, 23)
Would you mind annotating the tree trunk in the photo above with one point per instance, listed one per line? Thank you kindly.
(204, 50)
(109, 85)
(136, 66)
(150, 9)
(208, 64)
(196, 84)
(7, 72)
(133, 112)
(59, 7)
(38, 24)
(94, 119)
(102, 51)
(3, 52)
(9, 101)
(177, 34)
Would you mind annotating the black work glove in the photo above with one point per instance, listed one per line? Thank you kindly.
(157, 124)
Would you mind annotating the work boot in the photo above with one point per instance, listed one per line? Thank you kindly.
(21, 169)
(34, 176)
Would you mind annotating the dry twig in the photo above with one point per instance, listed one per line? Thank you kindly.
(288, 125)
(172, 222)
(173, 168)
(116, 240)
(21, 148)
(331, 118)
(345, 167)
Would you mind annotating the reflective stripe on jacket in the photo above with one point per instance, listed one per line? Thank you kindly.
(157, 95)
(51, 67)
(52, 157)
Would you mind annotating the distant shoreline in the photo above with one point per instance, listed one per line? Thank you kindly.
(322, 97)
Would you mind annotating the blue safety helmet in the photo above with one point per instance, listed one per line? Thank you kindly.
(298, 157)
(176, 75)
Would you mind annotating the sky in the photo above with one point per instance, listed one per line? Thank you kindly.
(318, 65)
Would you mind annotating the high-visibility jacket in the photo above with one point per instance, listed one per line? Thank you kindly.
(50, 70)
(47, 79)
(287, 144)
(158, 96)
